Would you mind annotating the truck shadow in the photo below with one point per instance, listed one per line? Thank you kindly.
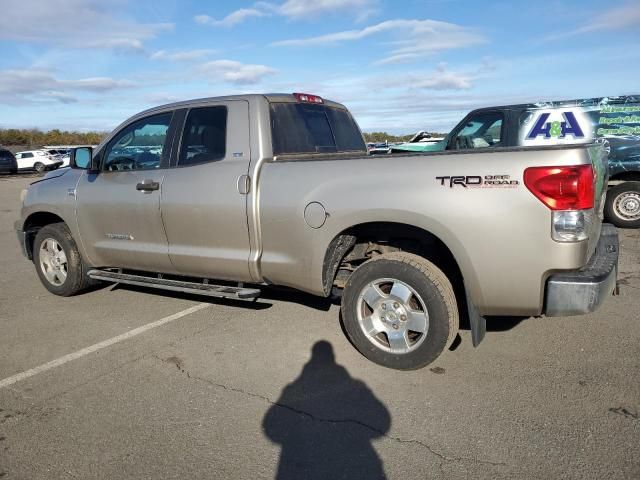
(325, 421)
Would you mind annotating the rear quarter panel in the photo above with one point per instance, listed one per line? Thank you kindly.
(499, 235)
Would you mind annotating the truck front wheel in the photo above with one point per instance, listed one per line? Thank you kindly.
(622, 206)
(400, 311)
(58, 261)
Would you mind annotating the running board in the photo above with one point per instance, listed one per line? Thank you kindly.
(238, 293)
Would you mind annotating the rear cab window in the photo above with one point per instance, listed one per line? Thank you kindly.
(303, 128)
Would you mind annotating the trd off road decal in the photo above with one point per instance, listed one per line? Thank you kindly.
(477, 181)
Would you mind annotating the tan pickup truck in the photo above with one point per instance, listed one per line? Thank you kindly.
(221, 196)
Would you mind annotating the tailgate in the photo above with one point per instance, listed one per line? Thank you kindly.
(600, 162)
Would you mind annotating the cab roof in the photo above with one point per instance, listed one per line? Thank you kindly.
(270, 97)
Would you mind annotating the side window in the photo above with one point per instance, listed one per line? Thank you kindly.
(205, 136)
(138, 146)
(481, 131)
(27, 155)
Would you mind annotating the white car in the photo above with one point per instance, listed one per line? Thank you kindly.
(61, 154)
(37, 160)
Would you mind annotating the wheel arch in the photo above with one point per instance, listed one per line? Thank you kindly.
(33, 223)
(383, 236)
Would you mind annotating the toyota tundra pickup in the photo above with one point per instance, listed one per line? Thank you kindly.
(223, 196)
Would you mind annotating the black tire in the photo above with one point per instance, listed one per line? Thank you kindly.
(432, 288)
(38, 167)
(76, 270)
(627, 193)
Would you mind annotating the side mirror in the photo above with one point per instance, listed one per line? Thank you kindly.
(81, 158)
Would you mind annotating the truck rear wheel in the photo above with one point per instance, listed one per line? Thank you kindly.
(58, 261)
(622, 206)
(400, 311)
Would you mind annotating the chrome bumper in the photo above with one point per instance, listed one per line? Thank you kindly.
(583, 291)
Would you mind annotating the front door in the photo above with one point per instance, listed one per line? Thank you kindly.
(118, 209)
(204, 211)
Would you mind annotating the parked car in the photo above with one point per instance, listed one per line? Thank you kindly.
(8, 162)
(37, 160)
(612, 121)
(420, 142)
(59, 153)
(378, 148)
(279, 189)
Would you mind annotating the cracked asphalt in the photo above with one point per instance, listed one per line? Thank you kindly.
(274, 389)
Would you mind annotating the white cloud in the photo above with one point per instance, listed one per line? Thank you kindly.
(626, 16)
(75, 23)
(293, 10)
(417, 38)
(159, 98)
(97, 84)
(302, 9)
(234, 72)
(230, 20)
(443, 79)
(37, 85)
(58, 96)
(182, 55)
(619, 18)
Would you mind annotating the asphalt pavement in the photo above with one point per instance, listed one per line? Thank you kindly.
(134, 383)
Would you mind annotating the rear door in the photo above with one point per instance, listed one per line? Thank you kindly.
(204, 205)
(118, 209)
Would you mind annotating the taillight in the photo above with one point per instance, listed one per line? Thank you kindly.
(305, 97)
(562, 188)
(569, 192)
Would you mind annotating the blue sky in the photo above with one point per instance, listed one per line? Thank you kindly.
(399, 66)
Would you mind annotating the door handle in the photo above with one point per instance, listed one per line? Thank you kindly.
(148, 186)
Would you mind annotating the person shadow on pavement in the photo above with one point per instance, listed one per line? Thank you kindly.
(325, 421)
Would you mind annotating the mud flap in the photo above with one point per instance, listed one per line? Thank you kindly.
(477, 322)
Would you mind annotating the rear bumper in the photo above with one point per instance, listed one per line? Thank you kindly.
(583, 291)
(8, 168)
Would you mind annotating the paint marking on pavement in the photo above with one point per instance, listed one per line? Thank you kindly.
(99, 346)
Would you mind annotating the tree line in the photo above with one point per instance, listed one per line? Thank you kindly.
(35, 137)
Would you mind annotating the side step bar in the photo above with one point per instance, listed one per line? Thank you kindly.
(238, 293)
